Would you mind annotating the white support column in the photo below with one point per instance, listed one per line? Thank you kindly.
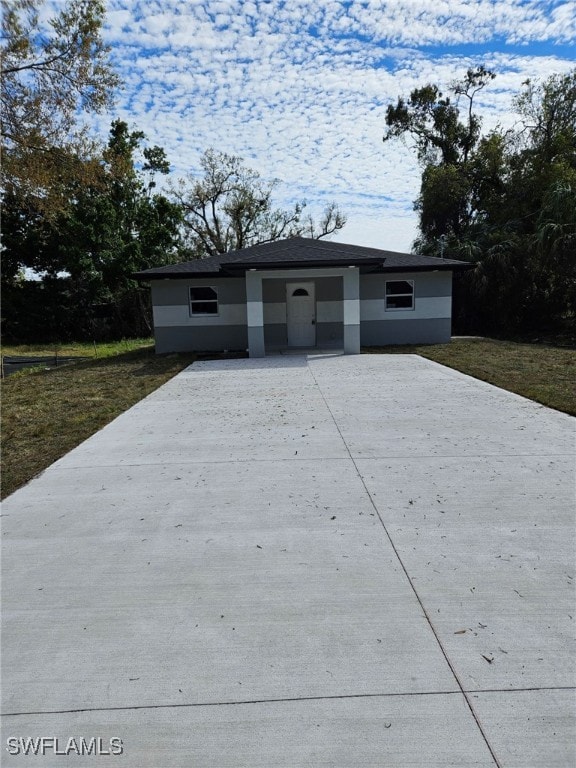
(255, 312)
(351, 311)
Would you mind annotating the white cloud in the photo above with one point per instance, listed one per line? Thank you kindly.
(300, 88)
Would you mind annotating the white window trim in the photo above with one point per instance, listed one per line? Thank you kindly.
(399, 309)
(203, 301)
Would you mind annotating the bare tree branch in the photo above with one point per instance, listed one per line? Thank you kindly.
(231, 207)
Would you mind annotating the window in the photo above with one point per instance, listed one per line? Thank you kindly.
(400, 294)
(300, 292)
(203, 301)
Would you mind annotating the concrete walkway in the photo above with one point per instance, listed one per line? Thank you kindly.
(300, 562)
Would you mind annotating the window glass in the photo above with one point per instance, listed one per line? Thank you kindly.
(300, 292)
(395, 287)
(203, 293)
(399, 294)
(399, 302)
(204, 308)
(203, 300)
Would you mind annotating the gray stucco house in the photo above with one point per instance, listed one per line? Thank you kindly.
(302, 293)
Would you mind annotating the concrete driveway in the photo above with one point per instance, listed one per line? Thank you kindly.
(299, 562)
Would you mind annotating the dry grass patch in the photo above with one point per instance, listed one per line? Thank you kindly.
(542, 373)
(47, 413)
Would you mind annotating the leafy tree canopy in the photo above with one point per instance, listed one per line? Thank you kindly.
(505, 200)
(107, 231)
(433, 121)
(49, 76)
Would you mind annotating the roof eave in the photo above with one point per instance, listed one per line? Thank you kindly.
(459, 267)
(145, 277)
(232, 270)
(245, 266)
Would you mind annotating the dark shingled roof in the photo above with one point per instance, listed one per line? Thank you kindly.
(301, 252)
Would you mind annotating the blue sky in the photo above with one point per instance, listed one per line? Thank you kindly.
(299, 88)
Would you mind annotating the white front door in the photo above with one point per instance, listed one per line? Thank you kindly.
(301, 314)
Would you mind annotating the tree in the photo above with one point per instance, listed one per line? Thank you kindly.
(50, 74)
(433, 120)
(445, 146)
(90, 249)
(549, 117)
(230, 207)
(538, 203)
(505, 201)
(119, 227)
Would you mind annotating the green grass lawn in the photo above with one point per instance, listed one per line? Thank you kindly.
(542, 373)
(46, 413)
(76, 348)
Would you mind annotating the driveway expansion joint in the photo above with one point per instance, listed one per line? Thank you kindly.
(410, 581)
(285, 700)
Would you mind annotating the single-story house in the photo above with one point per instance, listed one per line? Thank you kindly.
(301, 293)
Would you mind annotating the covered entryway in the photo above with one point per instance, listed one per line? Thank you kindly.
(301, 314)
(303, 309)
